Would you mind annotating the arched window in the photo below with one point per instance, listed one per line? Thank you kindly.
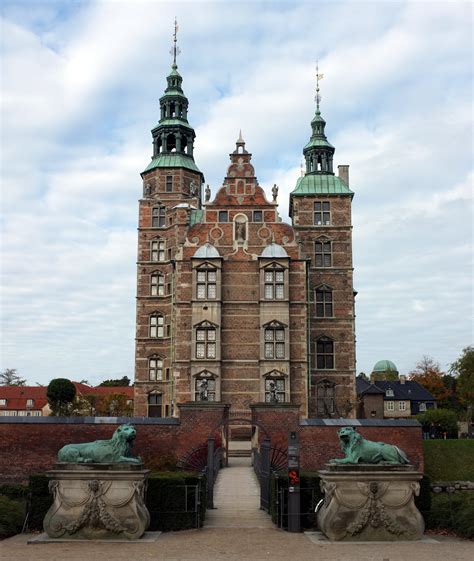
(157, 250)
(171, 143)
(155, 368)
(157, 325)
(205, 387)
(274, 388)
(323, 253)
(158, 217)
(324, 353)
(323, 300)
(206, 284)
(206, 341)
(274, 341)
(155, 405)
(325, 398)
(274, 283)
(157, 284)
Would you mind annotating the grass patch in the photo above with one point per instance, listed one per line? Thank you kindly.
(449, 460)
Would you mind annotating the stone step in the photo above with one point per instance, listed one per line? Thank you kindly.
(240, 453)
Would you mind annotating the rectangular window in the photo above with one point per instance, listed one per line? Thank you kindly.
(155, 405)
(158, 217)
(401, 406)
(274, 286)
(206, 286)
(205, 387)
(223, 216)
(323, 297)
(158, 250)
(274, 347)
(422, 407)
(3, 402)
(322, 213)
(169, 183)
(324, 354)
(206, 343)
(29, 403)
(390, 406)
(157, 326)
(274, 388)
(155, 369)
(157, 284)
(257, 216)
(323, 254)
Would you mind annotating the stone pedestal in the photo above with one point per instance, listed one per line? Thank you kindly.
(367, 502)
(97, 501)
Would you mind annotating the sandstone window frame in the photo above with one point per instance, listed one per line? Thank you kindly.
(402, 406)
(325, 397)
(156, 325)
(155, 368)
(206, 282)
(322, 215)
(325, 353)
(280, 382)
(158, 250)
(155, 404)
(323, 253)
(157, 283)
(273, 285)
(205, 341)
(323, 301)
(275, 345)
(158, 216)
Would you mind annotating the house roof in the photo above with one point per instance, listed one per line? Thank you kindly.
(366, 388)
(408, 390)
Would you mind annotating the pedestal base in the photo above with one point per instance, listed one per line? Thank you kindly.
(97, 501)
(366, 502)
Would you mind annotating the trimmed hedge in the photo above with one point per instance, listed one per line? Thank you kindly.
(176, 500)
(310, 495)
(12, 515)
(171, 505)
(452, 512)
(449, 460)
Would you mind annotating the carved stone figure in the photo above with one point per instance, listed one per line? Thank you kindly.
(273, 392)
(203, 390)
(359, 450)
(193, 189)
(240, 231)
(147, 190)
(116, 450)
(208, 193)
(275, 192)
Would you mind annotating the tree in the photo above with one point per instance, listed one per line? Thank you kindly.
(114, 405)
(363, 376)
(9, 377)
(125, 381)
(61, 393)
(463, 368)
(428, 374)
(446, 419)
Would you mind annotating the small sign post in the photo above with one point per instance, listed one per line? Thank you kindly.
(294, 522)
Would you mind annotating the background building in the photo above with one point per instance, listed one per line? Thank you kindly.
(234, 305)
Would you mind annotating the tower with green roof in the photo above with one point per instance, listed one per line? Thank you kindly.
(320, 210)
(172, 186)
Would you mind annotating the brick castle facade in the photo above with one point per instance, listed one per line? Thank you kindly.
(234, 305)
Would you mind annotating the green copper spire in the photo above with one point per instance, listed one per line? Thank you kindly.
(173, 137)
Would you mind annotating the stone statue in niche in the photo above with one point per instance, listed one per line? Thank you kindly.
(208, 193)
(273, 392)
(240, 230)
(203, 390)
(275, 192)
(147, 190)
(193, 189)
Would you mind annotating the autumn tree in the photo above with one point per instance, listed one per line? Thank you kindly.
(9, 377)
(463, 368)
(115, 405)
(428, 374)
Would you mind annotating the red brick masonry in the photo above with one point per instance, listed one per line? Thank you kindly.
(30, 444)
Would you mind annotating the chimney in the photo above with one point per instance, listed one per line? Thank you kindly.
(343, 172)
(402, 379)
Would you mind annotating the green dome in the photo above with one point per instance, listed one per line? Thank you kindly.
(385, 366)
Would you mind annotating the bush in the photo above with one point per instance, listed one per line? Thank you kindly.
(447, 419)
(171, 505)
(40, 500)
(449, 460)
(12, 515)
(13, 491)
(452, 512)
(423, 500)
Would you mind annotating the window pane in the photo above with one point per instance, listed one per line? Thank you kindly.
(319, 347)
(211, 334)
(212, 276)
(223, 216)
(200, 350)
(269, 291)
(257, 216)
(326, 206)
(326, 217)
(279, 334)
(318, 247)
(279, 276)
(211, 291)
(320, 310)
(327, 260)
(268, 350)
(328, 296)
(320, 361)
(280, 350)
(319, 295)
(211, 350)
(279, 291)
(201, 276)
(201, 290)
(317, 218)
(280, 385)
(327, 247)
(317, 206)
(319, 260)
(328, 310)
(329, 361)
(268, 276)
(268, 334)
(200, 335)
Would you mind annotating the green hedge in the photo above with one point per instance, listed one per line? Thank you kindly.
(452, 512)
(449, 460)
(12, 515)
(14, 491)
(310, 495)
(176, 500)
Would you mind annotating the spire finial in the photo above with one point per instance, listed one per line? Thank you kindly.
(318, 77)
(175, 50)
(240, 140)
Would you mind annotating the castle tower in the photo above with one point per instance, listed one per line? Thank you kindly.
(320, 209)
(172, 185)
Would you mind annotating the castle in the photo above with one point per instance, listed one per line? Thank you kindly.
(234, 305)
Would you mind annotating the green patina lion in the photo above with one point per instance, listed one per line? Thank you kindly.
(116, 450)
(359, 450)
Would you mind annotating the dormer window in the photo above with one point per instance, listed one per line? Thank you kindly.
(389, 392)
(3, 402)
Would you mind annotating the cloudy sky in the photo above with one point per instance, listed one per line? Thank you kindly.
(80, 89)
